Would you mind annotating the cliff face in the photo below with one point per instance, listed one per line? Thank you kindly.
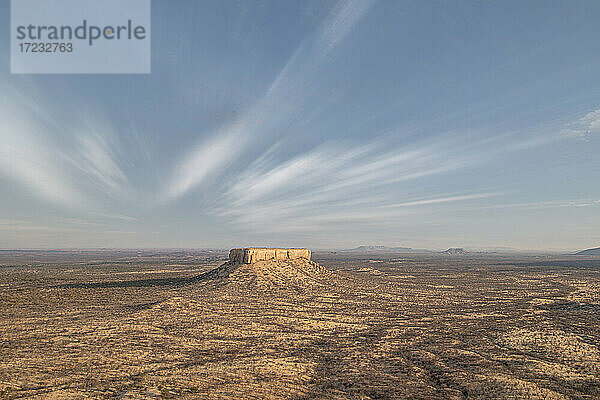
(253, 254)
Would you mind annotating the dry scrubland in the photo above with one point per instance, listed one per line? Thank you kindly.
(129, 325)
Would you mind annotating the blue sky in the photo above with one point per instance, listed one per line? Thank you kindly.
(321, 124)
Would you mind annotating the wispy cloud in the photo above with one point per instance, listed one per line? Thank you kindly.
(585, 126)
(341, 182)
(534, 205)
(96, 158)
(287, 97)
(26, 158)
(66, 163)
(113, 216)
(440, 200)
(340, 22)
(208, 158)
(15, 225)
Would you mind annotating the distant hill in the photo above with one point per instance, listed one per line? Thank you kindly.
(589, 252)
(385, 249)
(455, 251)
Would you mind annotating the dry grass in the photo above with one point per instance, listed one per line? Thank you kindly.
(141, 326)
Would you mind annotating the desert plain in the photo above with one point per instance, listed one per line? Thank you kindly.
(188, 324)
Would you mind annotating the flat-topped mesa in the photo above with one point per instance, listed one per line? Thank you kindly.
(253, 254)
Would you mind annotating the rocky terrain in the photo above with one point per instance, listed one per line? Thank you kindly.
(195, 325)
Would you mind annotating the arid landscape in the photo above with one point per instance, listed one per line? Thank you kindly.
(428, 166)
(187, 324)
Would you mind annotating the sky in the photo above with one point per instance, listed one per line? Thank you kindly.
(326, 124)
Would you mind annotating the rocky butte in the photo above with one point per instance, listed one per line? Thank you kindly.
(251, 255)
(255, 270)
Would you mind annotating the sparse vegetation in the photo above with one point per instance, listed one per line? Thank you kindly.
(133, 325)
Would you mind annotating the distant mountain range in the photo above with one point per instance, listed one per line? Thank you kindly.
(455, 251)
(589, 252)
(385, 249)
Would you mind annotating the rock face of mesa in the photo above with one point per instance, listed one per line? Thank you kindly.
(255, 268)
(251, 255)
